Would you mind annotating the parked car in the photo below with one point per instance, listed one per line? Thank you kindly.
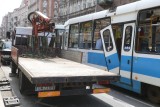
(1, 43)
(6, 52)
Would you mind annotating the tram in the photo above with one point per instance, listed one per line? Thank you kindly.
(124, 40)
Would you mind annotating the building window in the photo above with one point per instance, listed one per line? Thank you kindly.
(79, 5)
(89, 4)
(94, 2)
(56, 5)
(45, 12)
(55, 13)
(84, 5)
(73, 36)
(45, 4)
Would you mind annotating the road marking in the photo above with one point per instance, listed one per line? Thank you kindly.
(140, 101)
(112, 100)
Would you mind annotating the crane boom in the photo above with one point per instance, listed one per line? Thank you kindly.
(40, 23)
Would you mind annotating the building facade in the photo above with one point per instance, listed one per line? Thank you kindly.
(44, 6)
(1, 32)
(32, 5)
(4, 26)
(58, 10)
(14, 18)
(22, 16)
(74, 8)
(122, 2)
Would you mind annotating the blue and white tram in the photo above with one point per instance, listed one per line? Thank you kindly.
(129, 44)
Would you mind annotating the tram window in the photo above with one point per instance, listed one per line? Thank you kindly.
(148, 32)
(73, 36)
(128, 37)
(99, 25)
(85, 38)
(108, 40)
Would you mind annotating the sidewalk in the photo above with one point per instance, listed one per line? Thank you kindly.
(7, 95)
(2, 77)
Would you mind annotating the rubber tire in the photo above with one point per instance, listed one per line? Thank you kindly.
(22, 82)
(3, 63)
(25, 86)
(153, 94)
(13, 67)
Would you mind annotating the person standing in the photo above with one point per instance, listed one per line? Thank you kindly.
(99, 44)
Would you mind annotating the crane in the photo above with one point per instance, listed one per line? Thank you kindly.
(40, 23)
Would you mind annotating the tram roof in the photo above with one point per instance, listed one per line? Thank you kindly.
(88, 17)
(135, 7)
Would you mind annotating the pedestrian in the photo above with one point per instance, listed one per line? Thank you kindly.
(99, 43)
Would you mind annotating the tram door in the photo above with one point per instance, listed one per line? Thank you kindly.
(110, 50)
(127, 53)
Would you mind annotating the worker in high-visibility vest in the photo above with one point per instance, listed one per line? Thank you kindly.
(118, 33)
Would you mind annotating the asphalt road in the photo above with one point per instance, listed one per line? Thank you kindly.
(112, 99)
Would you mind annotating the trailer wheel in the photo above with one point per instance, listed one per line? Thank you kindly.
(153, 94)
(13, 68)
(25, 86)
(3, 63)
(22, 82)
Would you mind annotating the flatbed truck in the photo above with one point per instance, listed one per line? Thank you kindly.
(58, 76)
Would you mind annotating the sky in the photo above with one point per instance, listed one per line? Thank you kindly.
(8, 6)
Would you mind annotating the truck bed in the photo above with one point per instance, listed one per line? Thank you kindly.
(60, 70)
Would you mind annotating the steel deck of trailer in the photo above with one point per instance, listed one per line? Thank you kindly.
(58, 70)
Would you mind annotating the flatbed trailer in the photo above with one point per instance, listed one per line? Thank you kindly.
(60, 70)
(57, 76)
